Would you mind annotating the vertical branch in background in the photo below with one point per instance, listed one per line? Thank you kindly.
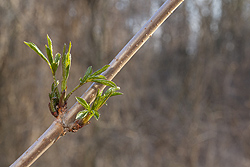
(59, 127)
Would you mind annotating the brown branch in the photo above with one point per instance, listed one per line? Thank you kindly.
(63, 124)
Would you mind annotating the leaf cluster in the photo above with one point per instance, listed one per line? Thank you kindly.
(96, 77)
(91, 76)
(53, 62)
(58, 99)
(100, 100)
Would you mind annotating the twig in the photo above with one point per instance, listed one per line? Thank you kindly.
(61, 125)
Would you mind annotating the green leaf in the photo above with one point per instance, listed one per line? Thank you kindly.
(97, 77)
(83, 103)
(54, 67)
(64, 48)
(55, 64)
(111, 90)
(96, 115)
(97, 100)
(86, 75)
(37, 50)
(116, 93)
(52, 106)
(69, 47)
(50, 44)
(50, 96)
(49, 49)
(104, 68)
(57, 58)
(101, 99)
(68, 59)
(82, 114)
(49, 54)
(66, 62)
(67, 72)
(54, 85)
(54, 91)
(99, 93)
(104, 82)
(63, 66)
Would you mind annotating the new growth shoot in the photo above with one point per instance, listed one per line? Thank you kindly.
(58, 96)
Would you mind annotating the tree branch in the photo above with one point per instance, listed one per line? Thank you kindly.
(61, 125)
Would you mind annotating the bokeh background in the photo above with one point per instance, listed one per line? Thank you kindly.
(186, 95)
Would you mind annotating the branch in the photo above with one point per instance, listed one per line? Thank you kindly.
(61, 125)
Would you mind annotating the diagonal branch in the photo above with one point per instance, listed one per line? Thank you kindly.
(60, 126)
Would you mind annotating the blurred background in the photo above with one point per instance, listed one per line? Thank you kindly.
(186, 92)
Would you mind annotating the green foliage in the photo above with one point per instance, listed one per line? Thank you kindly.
(37, 50)
(53, 63)
(96, 77)
(49, 49)
(83, 103)
(100, 100)
(66, 63)
(89, 76)
(59, 99)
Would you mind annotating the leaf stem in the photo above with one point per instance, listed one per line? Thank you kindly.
(54, 78)
(71, 92)
(87, 118)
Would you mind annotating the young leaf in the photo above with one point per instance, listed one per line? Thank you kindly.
(52, 106)
(97, 100)
(83, 103)
(54, 67)
(57, 58)
(54, 86)
(104, 68)
(66, 62)
(102, 102)
(111, 90)
(50, 96)
(67, 73)
(86, 75)
(96, 115)
(82, 114)
(50, 44)
(104, 82)
(116, 93)
(49, 54)
(97, 77)
(55, 64)
(69, 47)
(37, 50)
(54, 95)
(64, 48)
(101, 99)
